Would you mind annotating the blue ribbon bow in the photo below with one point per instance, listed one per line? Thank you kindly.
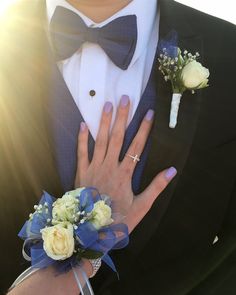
(107, 238)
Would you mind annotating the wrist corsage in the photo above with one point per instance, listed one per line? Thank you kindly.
(61, 232)
(184, 73)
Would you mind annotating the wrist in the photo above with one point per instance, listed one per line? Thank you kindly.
(87, 267)
(95, 264)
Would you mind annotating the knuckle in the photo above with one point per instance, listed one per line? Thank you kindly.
(127, 170)
(136, 145)
(105, 121)
(81, 140)
(109, 164)
(161, 184)
(145, 128)
(101, 143)
(122, 112)
(82, 154)
(139, 141)
(142, 135)
(146, 206)
(146, 125)
(117, 137)
(82, 151)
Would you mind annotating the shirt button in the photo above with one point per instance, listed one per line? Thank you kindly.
(92, 93)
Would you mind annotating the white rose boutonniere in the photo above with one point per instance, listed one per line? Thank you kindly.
(184, 73)
(59, 241)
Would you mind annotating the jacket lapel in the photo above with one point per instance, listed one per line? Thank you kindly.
(170, 147)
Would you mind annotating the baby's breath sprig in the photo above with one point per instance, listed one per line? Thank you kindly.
(40, 209)
(171, 67)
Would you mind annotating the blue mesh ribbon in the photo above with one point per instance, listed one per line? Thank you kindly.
(169, 44)
(31, 229)
(103, 240)
(109, 238)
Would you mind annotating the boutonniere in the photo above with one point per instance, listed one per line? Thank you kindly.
(184, 72)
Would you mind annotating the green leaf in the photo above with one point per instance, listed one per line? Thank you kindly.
(91, 254)
(79, 256)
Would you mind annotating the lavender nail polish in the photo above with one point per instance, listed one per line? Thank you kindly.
(170, 173)
(124, 101)
(149, 115)
(82, 126)
(108, 107)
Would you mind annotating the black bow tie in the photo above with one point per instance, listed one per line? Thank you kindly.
(118, 38)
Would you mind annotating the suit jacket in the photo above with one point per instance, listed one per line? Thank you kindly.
(171, 252)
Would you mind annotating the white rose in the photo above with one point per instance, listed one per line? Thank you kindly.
(64, 209)
(194, 75)
(75, 193)
(58, 241)
(101, 215)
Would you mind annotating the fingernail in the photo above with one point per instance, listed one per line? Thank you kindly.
(170, 173)
(108, 107)
(82, 126)
(149, 115)
(124, 101)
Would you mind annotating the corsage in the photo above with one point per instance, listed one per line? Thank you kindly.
(61, 232)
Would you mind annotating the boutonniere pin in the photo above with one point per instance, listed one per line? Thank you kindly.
(184, 72)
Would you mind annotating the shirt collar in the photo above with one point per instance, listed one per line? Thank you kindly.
(146, 19)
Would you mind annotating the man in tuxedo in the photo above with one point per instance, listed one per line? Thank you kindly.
(186, 243)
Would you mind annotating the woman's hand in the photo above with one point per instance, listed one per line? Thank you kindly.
(112, 177)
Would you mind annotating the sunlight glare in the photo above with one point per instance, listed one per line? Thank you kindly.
(4, 4)
(222, 9)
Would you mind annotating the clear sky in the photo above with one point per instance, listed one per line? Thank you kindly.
(223, 9)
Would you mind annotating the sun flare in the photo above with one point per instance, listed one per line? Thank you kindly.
(218, 8)
(4, 4)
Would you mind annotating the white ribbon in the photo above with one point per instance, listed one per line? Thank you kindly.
(176, 97)
(82, 281)
(27, 273)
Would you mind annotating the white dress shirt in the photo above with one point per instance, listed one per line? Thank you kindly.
(91, 69)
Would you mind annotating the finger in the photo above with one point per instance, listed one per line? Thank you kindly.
(103, 134)
(143, 202)
(118, 130)
(138, 144)
(158, 184)
(82, 153)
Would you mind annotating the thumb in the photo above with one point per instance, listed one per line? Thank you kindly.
(158, 184)
(143, 202)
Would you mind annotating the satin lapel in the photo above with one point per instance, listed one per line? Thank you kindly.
(170, 147)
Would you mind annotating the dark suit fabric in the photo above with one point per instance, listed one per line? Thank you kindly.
(171, 251)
